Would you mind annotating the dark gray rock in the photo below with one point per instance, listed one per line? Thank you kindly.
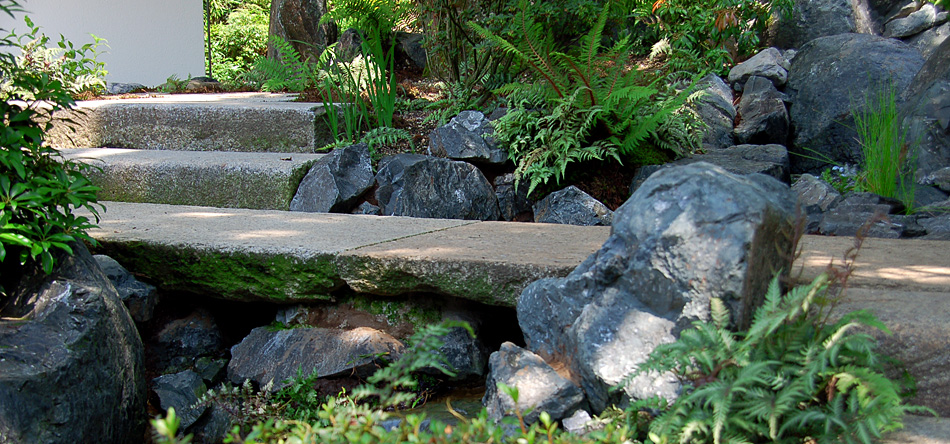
(928, 41)
(467, 137)
(181, 391)
(540, 387)
(336, 181)
(293, 315)
(140, 298)
(937, 225)
(572, 206)
(210, 369)
(212, 427)
(768, 63)
(298, 23)
(815, 197)
(830, 76)
(878, 212)
(72, 370)
(771, 160)
(409, 46)
(927, 107)
(925, 195)
(466, 355)
(762, 114)
(512, 201)
(716, 110)
(423, 186)
(269, 357)
(812, 19)
(348, 46)
(939, 179)
(367, 208)
(181, 341)
(203, 84)
(124, 88)
(916, 22)
(688, 234)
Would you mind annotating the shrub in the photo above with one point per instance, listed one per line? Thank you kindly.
(586, 104)
(76, 68)
(237, 42)
(707, 34)
(38, 188)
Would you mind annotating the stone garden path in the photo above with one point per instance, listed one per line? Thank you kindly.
(209, 217)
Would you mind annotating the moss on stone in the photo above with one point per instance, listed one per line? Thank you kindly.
(238, 276)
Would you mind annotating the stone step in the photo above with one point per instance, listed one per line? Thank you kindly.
(204, 178)
(252, 122)
(283, 257)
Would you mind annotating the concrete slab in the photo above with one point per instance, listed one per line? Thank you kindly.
(241, 254)
(255, 122)
(907, 264)
(207, 178)
(490, 262)
(921, 430)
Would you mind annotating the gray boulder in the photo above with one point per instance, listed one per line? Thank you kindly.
(928, 41)
(409, 46)
(181, 391)
(763, 117)
(771, 160)
(336, 181)
(572, 206)
(140, 298)
(768, 63)
(366, 208)
(415, 185)
(298, 23)
(124, 88)
(466, 355)
(72, 370)
(512, 201)
(812, 19)
(348, 46)
(916, 22)
(467, 137)
(939, 179)
(927, 107)
(269, 357)
(878, 212)
(716, 110)
(688, 234)
(815, 196)
(181, 341)
(830, 76)
(540, 387)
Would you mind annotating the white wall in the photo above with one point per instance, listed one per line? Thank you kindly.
(149, 40)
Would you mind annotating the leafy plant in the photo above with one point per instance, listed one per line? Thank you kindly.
(39, 189)
(793, 374)
(166, 429)
(587, 104)
(174, 84)
(237, 41)
(710, 35)
(371, 17)
(287, 72)
(889, 160)
(77, 68)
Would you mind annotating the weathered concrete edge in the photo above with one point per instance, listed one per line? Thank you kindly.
(487, 282)
(230, 275)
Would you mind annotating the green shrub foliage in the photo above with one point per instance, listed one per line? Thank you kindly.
(39, 189)
(793, 374)
(706, 34)
(78, 69)
(586, 104)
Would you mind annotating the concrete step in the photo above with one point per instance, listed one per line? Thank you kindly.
(204, 178)
(285, 257)
(252, 122)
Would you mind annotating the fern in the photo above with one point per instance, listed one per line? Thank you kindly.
(287, 72)
(789, 376)
(585, 105)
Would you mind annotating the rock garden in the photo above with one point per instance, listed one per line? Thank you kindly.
(576, 221)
